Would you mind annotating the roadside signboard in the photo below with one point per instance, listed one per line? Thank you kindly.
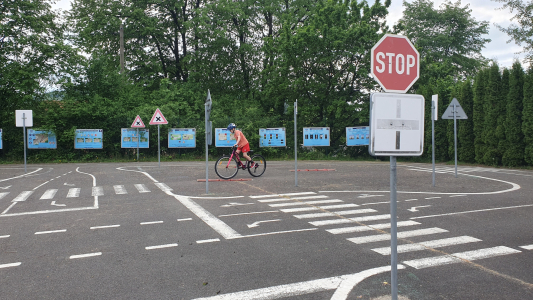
(130, 139)
(28, 114)
(88, 139)
(316, 136)
(41, 139)
(459, 112)
(137, 123)
(182, 138)
(272, 137)
(158, 118)
(1, 144)
(358, 136)
(224, 138)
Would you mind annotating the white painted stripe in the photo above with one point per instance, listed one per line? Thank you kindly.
(4, 236)
(10, 265)
(120, 189)
(214, 198)
(97, 191)
(250, 213)
(105, 226)
(471, 211)
(527, 247)
(376, 203)
(428, 244)
(457, 196)
(185, 219)
(207, 241)
(51, 231)
(21, 175)
(49, 194)
(278, 195)
(73, 193)
(141, 188)
(273, 200)
(401, 235)
(350, 220)
(2, 195)
(307, 202)
(22, 196)
(456, 257)
(299, 209)
(370, 227)
(275, 232)
(163, 186)
(338, 206)
(309, 197)
(85, 255)
(336, 213)
(44, 211)
(429, 198)
(408, 200)
(153, 222)
(160, 246)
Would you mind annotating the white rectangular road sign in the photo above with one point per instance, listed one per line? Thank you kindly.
(29, 118)
(396, 124)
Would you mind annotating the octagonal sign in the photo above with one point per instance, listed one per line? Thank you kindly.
(395, 63)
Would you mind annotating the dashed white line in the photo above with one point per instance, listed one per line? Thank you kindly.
(403, 234)
(73, 193)
(85, 255)
(185, 219)
(97, 191)
(161, 246)
(471, 211)
(376, 203)
(51, 231)
(207, 241)
(527, 247)
(105, 226)
(49, 194)
(153, 222)
(250, 213)
(22, 196)
(2, 195)
(141, 188)
(120, 189)
(10, 265)
(429, 198)
(4, 236)
(278, 195)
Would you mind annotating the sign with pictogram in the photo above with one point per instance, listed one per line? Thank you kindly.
(137, 123)
(395, 63)
(158, 118)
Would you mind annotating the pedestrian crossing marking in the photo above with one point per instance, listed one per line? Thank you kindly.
(141, 188)
(273, 200)
(428, 244)
(22, 196)
(309, 197)
(2, 195)
(120, 189)
(350, 220)
(307, 202)
(97, 191)
(527, 247)
(281, 195)
(49, 194)
(338, 206)
(370, 227)
(73, 193)
(403, 234)
(163, 187)
(337, 213)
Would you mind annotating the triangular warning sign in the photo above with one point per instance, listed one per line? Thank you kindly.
(459, 112)
(138, 123)
(158, 118)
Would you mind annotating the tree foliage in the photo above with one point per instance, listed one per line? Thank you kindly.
(522, 33)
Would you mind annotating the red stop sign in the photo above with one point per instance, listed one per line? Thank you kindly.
(395, 63)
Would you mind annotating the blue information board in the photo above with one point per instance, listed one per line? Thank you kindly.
(182, 138)
(129, 138)
(272, 137)
(1, 145)
(358, 136)
(224, 138)
(316, 136)
(89, 139)
(41, 139)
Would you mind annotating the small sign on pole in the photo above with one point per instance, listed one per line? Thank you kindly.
(158, 118)
(137, 123)
(455, 112)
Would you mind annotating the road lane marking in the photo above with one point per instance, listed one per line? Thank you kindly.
(73, 193)
(336, 213)
(161, 246)
(4, 236)
(120, 189)
(21, 175)
(428, 244)
(527, 247)
(309, 197)
(97, 191)
(403, 234)
(163, 186)
(471, 211)
(274, 232)
(207, 241)
(2, 195)
(85, 255)
(273, 200)
(215, 198)
(338, 206)
(303, 203)
(51, 231)
(153, 222)
(250, 213)
(377, 203)
(22, 196)
(350, 220)
(105, 226)
(429, 198)
(299, 209)
(49, 194)
(281, 195)
(185, 219)
(10, 265)
(141, 188)
(370, 227)
(408, 200)
(457, 196)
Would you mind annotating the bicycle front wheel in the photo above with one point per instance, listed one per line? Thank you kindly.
(226, 168)
(260, 168)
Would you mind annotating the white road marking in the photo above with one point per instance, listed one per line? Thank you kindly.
(369, 196)
(105, 226)
(22, 196)
(120, 189)
(4, 236)
(299, 209)
(457, 257)
(207, 241)
(85, 255)
(408, 200)
(414, 208)
(153, 222)
(51, 231)
(141, 188)
(471, 211)
(377, 203)
(44, 211)
(49, 194)
(256, 224)
(403, 234)
(309, 197)
(54, 204)
(272, 233)
(94, 185)
(231, 204)
(338, 206)
(185, 219)
(527, 247)
(250, 213)
(10, 265)
(21, 175)
(214, 198)
(97, 191)
(163, 186)
(280, 195)
(160, 246)
(350, 220)
(5, 187)
(428, 244)
(370, 227)
(73, 193)
(273, 200)
(336, 213)
(2, 195)
(303, 203)
(429, 198)
(457, 196)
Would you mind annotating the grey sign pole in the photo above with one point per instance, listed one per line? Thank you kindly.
(158, 147)
(138, 138)
(206, 154)
(455, 135)
(433, 114)
(295, 145)
(393, 231)
(24, 128)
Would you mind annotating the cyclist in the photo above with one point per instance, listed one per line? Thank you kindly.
(242, 145)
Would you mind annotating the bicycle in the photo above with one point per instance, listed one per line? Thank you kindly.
(228, 165)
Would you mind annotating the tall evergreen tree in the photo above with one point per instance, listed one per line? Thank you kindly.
(466, 149)
(527, 117)
(501, 107)
(490, 107)
(514, 153)
(478, 115)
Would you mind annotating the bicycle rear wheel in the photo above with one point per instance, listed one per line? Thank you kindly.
(226, 168)
(261, 166)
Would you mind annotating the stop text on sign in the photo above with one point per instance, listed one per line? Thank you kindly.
(396, 62)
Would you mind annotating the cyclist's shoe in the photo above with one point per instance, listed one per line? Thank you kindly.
(255, 165)
(243, 166)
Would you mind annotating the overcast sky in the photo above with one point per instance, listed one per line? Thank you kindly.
(482, 10)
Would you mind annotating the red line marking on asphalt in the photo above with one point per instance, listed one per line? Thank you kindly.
(310, 170)
(240, 179)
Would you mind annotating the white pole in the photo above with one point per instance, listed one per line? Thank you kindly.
(24, 128)
(295, 145)
(158, 147)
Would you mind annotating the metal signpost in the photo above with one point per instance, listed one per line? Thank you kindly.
(434, 110)
(295, 145)
(138, 123)
(455, 111)
(208, 105)
(24, 118)
(158, 119)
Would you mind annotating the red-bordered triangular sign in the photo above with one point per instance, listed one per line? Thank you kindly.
(138, 123)
(158, 118)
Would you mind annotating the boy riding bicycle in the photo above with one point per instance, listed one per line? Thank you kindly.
(241, 144)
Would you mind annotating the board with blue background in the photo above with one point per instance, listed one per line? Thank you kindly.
(272, 137)
(182, 138)
(41, 139)
(89, 139)
(129, 138)
(316, 136)
(224, 138)
(358, 136)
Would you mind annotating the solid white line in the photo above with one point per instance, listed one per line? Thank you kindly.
(403, 234)
(370, 227)
(299, 209)
(40, 185)
(250, 213)
(141, 188)
(22, 196)
(307, 202)
(186, 219)
(85, 255)
(214, 198)
(73, 193)
(49, 194)
(428, 244)
(309, 197)
(97, 191)
(527, 247)
(163, 186)
(471, 211)
(350, 220)
(2, 195)
(457, 196)
(7, 209)
(51, 231)
(279, 195)
(44, 211)
(275, 232)
(273, 200)
(336, 213)
(160, 246)
(153, 222)
(22, 175)
(4, 236)
(94, 185)
(207, 241)
(120, 189)
(10, 265)
(456, 257)
(377, 203)
(105, 226)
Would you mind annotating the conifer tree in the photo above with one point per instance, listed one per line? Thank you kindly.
(514, 139)
(527, 117)
(490, 105)
(477, 116)
(465, 128)
(501, 108)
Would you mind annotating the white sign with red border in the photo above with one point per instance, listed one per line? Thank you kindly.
(137, 123)
(158, 118)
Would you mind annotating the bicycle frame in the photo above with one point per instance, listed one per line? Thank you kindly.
(231, 156)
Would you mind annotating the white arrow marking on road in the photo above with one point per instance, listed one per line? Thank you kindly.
(54, 203)
(69, 184)
(256, 224)
(414, 208)
(5, 187)
(235, 204)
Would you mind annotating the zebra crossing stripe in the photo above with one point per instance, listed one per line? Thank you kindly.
(22, 196)
(97, 191)
(370, 227)
(309, 197)
(350, 220)
(49, 194)
(273, 200)
(337, 213)
(338, 206)
(403, 234)
(120, 189)
(163, 187)
(141, 188)
(299, 209)
(279, 195)
(428, 244)
(73, 193)
(307, 202)
(457, 257)
(527, 247)
(2, 195)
